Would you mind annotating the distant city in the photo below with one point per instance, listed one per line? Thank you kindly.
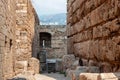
(56, 19)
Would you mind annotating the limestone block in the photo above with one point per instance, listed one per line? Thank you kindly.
(97, 32)
(82, 49)
(108, 76)
(34, 65)
(67, 61)
(21, 66)
(80, 26)
(89, 76)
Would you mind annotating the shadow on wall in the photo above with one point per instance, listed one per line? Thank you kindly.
(35, 39)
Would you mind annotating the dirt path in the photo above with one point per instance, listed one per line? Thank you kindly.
(51, 76)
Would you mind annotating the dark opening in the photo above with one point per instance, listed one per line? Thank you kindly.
(10, 43)
(45, 40)
(5, 40)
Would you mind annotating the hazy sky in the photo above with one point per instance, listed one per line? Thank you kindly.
(46, 7)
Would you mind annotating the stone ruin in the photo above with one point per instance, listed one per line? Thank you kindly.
(51, 46)
(55, 40)
(93, 36)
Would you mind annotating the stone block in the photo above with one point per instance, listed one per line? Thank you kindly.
(108, 76)
(84, 49)
(34, 65)
(89, 76)
(21, 66)
(97, 32)
(67, 61)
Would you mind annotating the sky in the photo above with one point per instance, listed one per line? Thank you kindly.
(47, 7)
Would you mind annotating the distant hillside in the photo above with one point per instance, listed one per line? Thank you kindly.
(57, 19)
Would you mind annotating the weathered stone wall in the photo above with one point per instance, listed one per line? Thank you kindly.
(94, 32)
(58, 40)
(7, 38)
(26, 21)
(24, 30)
(17, 22)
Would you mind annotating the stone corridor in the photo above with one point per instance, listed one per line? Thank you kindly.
(87, 48)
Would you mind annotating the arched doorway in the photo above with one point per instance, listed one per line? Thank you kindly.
(45, 43)
(45, 40)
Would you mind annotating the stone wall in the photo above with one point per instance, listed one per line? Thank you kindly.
(24, 29)
(93, 30)
(58, 40)
(17, 22)
(26, 21)
(7, 38)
